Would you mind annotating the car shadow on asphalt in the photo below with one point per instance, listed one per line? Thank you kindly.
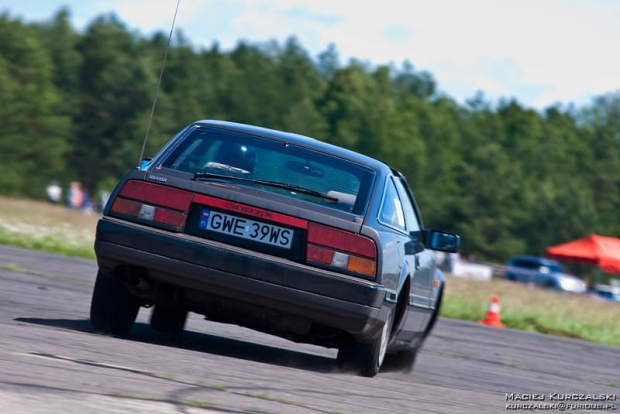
(202, 342)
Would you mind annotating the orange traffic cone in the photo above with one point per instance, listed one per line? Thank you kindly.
(493, 318)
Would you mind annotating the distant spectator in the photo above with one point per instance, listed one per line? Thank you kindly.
(453, 258)
(75, 196)
(53, 192)
(87, 204)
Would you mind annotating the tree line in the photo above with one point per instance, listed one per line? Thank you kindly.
(509, 179)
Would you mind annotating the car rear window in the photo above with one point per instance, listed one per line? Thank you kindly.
(257, 158)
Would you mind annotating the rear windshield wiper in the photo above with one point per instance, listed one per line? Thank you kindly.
(206, 176)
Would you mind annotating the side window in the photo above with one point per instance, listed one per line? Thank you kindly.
(413, 224)
(391, 208)
(528, 264)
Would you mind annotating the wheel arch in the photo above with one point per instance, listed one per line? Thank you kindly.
(402, 301)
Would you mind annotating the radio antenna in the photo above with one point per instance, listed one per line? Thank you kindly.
(161, 74)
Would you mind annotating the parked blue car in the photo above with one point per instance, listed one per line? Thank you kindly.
(543, 272)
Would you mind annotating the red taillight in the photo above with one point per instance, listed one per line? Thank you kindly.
(319, 254)
(128, 207)
(157, 194)
(341, 240)
(169, 217)
(341, 250)
(153, 202)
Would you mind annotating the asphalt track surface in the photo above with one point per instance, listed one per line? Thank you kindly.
(51, 362)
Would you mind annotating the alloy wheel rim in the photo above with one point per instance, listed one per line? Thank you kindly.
(384, 341)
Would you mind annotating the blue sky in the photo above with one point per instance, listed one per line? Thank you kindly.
(540, 52)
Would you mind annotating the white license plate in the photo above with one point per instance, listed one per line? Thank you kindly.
(246, 229)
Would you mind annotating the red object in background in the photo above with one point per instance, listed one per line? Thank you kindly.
(598, 250)
(493, 318)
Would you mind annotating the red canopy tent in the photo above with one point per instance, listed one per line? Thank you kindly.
(599, 250)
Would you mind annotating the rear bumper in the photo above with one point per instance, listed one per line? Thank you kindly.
(189, 262)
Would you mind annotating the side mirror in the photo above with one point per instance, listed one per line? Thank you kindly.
(442, 241)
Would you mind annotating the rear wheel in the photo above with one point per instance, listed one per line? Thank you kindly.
(366, 359)
(168, 319)
(113, 310)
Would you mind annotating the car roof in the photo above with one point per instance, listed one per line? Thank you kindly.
(538, 259)
(300, 140)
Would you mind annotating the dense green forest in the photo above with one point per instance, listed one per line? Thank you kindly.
(509, 179)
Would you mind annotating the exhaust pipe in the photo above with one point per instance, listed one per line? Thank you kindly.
(138, 283)
(136, 278)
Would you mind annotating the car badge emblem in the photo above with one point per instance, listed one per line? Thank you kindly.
(158, 178)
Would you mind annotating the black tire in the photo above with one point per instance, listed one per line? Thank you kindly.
(113, 310)
(551, 285)
(366, 359)
(168, 319)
